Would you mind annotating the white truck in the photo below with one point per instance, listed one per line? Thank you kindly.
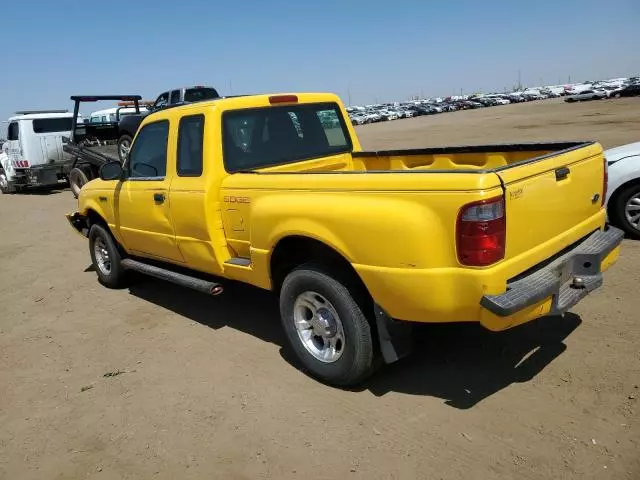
(33, 155)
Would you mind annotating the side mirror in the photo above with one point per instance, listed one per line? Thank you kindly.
(111, 171)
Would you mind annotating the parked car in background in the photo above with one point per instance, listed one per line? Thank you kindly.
(586, 95)
(623, 193)
(114, 114)
(632, 90)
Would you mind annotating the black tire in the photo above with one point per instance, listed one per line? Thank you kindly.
(357, 359)
(8, 188)
(114, 276)
(124, 142)
(77, 179)
(617, 214)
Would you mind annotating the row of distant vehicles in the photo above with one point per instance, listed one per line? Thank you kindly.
(615, 88)
(599, 92)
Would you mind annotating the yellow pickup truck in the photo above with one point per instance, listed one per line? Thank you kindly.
(276, 191)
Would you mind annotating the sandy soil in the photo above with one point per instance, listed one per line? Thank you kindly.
(155, 381)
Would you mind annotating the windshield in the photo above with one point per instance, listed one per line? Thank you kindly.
(261, 137)
(198, 94)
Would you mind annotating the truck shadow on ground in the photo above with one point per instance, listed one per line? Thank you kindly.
(461, 363)
(42, 191)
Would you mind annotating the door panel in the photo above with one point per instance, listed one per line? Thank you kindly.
(143, 215)
(145, 219)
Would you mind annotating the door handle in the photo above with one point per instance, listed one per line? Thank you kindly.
(158, 197)
(562, 173)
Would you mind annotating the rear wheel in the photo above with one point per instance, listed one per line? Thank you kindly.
(77, 179)
(625, 213)
(326, 327)
(106, 257)
(124, 145)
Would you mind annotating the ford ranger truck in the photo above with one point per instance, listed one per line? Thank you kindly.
(276, 191)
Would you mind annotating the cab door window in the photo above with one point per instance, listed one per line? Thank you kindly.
(162, 100)
(148, 158)
(13, 132)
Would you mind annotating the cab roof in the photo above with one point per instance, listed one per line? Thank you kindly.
(35, 116)
(252, 101)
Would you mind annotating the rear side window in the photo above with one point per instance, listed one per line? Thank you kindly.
(198, 94)
(13, 132)
(175, 97)
(52, 125)
(262, 137)
(148, 157)
(190, 138)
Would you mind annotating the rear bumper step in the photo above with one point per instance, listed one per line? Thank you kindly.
(568, 278)
(204, 286)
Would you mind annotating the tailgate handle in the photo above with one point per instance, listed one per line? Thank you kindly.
(562, 173)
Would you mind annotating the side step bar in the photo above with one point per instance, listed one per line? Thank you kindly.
(204, 286)
(239, 261)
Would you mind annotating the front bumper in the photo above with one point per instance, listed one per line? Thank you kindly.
(79, 223)
(566, 279)
(38, 176)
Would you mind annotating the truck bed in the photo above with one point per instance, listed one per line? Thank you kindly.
(96, 155)
(481, 158)
(464, 159)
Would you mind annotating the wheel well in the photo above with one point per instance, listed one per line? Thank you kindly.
(293, 251)
(94, 217)
(620, 189)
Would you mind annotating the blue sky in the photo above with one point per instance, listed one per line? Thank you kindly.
(384, 50)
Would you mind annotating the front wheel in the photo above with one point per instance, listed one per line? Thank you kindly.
(77, 179)
(124, 145)
(106, 257)
(5, 186)
(326, 327)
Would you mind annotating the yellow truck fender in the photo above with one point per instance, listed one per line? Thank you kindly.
(346, 225)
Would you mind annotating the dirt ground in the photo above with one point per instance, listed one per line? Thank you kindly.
(155, 381)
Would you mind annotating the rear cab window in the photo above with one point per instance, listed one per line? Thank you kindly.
(52, 125)
(262, 137)
(197, 94)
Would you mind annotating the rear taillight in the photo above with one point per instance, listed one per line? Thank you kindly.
(481, 232)
(605, 181)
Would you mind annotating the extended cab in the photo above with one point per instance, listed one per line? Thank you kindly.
(276, 191)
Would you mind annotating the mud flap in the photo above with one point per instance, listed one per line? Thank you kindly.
(395, 337)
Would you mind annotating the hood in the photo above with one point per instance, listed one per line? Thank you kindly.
(618, 153)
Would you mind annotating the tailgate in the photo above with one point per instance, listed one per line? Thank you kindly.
(548, 196)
